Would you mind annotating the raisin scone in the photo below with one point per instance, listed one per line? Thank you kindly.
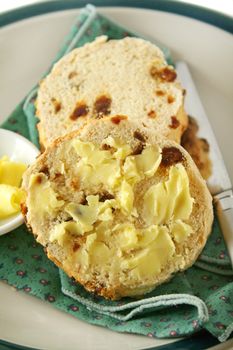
(117, 207)
(128, 76)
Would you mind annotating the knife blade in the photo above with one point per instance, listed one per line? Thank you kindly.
(219, 182)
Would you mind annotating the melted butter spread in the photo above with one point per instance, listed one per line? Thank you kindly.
(137, 253)
(169, 199)
(60, 231)
(87, 215)
(121, 150)
(42, 198)
(10, 180)
(180, 230)
(126, 198)
(157, 249)
(98, 166)
(111, 243)
(148, 162)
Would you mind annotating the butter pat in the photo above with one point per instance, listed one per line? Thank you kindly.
(10, 181)
(11, 198)
(11, 172)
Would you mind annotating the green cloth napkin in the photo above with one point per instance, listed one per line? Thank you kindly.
(201, 297)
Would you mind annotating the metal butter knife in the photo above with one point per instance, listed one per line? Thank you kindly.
(219, 183)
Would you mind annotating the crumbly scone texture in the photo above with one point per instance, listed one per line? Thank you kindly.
(128, 76)
(68, 188)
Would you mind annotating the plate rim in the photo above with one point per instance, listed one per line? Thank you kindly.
(202, 14)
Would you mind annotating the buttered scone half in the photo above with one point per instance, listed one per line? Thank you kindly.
(128, 76)
(117, 207)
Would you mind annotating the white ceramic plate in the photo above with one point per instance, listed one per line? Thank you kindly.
(26, 50)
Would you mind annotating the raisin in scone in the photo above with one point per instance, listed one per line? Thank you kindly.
(128, 76)
(117, 207)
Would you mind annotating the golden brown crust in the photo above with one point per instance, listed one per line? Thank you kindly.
(198, 148)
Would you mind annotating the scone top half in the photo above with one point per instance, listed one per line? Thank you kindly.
(117, 207)
(108, 77)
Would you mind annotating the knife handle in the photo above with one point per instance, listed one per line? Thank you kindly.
(224, 206)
